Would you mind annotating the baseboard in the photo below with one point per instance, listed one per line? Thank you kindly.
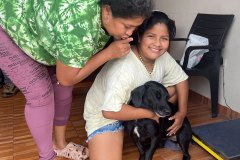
(222, 110)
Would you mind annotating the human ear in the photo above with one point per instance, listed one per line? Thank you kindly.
(106, 13)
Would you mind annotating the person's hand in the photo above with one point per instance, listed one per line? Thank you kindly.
(155, 117)
(152, 115)
(178, 121)
(119, 48)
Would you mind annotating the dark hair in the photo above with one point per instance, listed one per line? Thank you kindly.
(157, 17)
(129, 8)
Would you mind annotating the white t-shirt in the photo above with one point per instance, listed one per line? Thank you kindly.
(114, 83)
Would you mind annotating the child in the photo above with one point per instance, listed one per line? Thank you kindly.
(106, 102)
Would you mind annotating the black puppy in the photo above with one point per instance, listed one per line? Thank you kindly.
(147, 134)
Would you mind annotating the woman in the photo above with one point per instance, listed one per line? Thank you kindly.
(48, 46)
(106, 102)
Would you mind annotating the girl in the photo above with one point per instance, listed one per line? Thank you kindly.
(106, 102)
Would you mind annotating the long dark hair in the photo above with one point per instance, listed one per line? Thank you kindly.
(156, 17)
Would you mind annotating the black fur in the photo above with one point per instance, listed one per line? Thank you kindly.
(147, 134)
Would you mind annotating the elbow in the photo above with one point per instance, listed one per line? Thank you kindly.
(63, 81)
(108, 114)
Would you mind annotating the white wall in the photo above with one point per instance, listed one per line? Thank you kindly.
(184, 13)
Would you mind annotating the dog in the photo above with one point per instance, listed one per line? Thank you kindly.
(146, 133)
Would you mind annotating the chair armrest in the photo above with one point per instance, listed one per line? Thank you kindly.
(210, 47)
(191, 48)
(180, 39)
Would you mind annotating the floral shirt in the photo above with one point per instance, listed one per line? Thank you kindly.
(46, 30)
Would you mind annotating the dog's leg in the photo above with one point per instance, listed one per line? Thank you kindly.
(184, 147)
(140, 149)
(184, 139)
(153, 146)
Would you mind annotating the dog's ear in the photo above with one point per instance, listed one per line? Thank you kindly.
(137, 95)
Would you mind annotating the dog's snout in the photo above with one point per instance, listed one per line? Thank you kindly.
(163, 111)
(167, 111)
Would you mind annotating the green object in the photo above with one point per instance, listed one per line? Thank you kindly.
(69, 31)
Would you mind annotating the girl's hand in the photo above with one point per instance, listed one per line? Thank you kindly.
(119, 48)
(178, 121)
(156, 118)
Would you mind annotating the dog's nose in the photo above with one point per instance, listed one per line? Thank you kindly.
(167, 111)
(163, 112)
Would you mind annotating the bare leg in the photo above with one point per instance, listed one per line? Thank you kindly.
(59, 141)
(106, 146)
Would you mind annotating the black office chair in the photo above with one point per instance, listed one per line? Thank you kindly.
(215, 28)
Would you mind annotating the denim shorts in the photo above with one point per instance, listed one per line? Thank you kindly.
(113, 127)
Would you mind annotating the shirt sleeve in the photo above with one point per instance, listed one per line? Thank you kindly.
(118, 89)
(173, 72)
(73, 50)
(77, 36)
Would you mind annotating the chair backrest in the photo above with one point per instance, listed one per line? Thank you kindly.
(212, 26)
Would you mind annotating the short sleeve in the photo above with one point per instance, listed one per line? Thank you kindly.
(173, 73)
(74, 49)
(77, 35)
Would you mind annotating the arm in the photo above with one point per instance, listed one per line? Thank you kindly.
(182, 94)
(69, 76)
(128, 112)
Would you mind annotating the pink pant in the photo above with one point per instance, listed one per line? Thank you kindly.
(47, 103)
